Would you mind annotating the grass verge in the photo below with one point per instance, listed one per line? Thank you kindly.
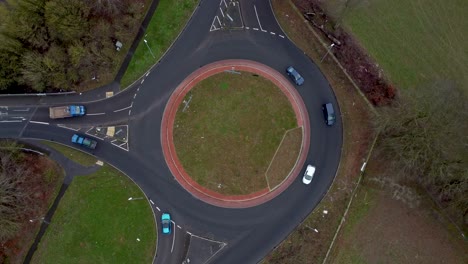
(285, 157)
(228, 135)
(309, 242)
(72, 154)
(167, 22)
(414, 42)
(418, 236)
(95, 223)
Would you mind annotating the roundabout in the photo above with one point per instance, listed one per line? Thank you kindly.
(207, 227)
(176, 103)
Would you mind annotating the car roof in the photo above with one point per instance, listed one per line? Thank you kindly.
(310, 170)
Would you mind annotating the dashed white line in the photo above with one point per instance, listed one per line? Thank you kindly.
(273, 33)
(142, 81)
(37, 122)
(281, 36)
(179, 227)
(21, 110)
(134, 96)
(151, 201)
(115, 111)
(247, 28)
(96, 114)
(130, 112)
(147, 74)
(158, 209)
(255, 28)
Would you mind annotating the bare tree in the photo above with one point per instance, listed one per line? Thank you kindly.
(424, 135)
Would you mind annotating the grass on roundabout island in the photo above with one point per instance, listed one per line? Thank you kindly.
(228, 135)
(96, 223)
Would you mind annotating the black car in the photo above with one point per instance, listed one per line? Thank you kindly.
(329, 114)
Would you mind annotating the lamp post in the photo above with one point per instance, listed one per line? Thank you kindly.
(328, 50)
(146, 42)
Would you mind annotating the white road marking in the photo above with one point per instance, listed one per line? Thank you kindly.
(281, 36)
(96, 114)
(142, 81)
(246, 27)
(130, 112)
(128, 107)
(37, 122)
(158, 209)
(230, 18)
(151, 201)
(255, 28)
(222, 13)
(134, 96)
(224, 3)
(173, 240)
(273, 33)
(11, 121)
(20, 110)
(147, 74)
(219, 21)
(71, 128)
(260, 25)
(179, 227)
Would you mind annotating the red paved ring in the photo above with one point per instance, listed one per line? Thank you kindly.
(175, 166)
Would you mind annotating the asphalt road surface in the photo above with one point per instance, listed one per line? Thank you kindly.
(203, 233)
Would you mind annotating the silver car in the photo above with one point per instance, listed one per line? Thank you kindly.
(308, 174)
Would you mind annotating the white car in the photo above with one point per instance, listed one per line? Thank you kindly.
(309, 174)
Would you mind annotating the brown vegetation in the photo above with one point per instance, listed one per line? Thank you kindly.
(28, 184)
(354, 59)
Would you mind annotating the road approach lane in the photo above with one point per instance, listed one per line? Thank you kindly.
(249, 233)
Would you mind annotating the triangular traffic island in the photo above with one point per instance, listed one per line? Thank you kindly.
(201, 250)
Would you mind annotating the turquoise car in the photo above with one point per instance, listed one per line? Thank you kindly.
(166, 223)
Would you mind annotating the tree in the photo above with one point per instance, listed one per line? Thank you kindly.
(13, 198)
(424, 134)
(67, 21)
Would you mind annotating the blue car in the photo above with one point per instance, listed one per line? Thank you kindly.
(294, 75)
(166, 223)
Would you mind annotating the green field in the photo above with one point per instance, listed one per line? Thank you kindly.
(77, 156)
(95, 223)
(227, 137)
(414, 42)
(165, 25)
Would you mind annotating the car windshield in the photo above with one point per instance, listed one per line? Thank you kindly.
(308, 177)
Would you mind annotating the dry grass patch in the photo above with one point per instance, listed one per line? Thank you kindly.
(285, 157)
(228, 135)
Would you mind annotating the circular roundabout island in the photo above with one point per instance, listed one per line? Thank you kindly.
(233, 132)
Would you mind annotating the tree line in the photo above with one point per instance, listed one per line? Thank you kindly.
(61, 44)
(424, 136)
